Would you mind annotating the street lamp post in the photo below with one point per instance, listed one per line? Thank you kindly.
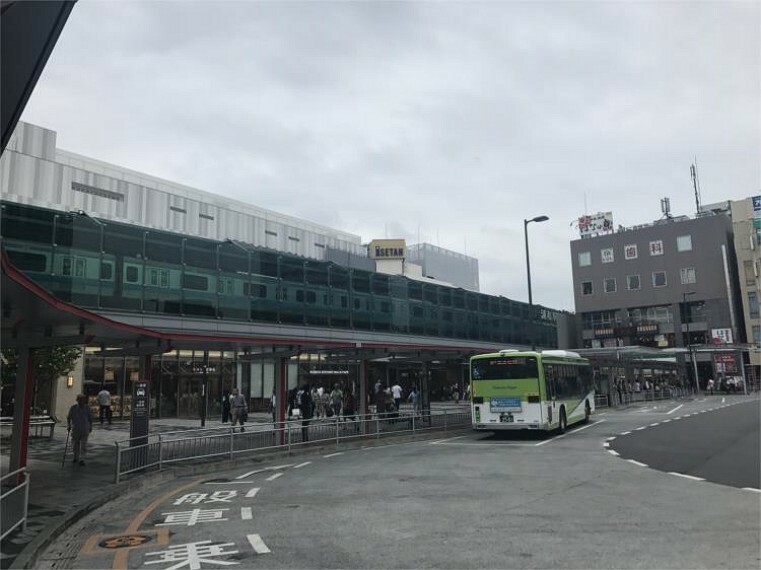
(528, 275)
(689, 344)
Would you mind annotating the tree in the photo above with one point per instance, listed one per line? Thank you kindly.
(47, 364)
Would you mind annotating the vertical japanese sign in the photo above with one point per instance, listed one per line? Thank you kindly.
(140, 412)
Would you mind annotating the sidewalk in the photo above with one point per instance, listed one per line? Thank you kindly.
(60, 492)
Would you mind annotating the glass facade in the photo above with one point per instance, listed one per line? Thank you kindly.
(107, 265)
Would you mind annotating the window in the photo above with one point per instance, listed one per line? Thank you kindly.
(684, 243)
(630, 251)
(586, 287)
(66, 266)
(197, 282)
(585, 258)
(607, 255)
(687, 275)
(254, 290)
(659, 279)
(750, 273)
(632, 282)
(756, 333)
(106, 271)
(131, 274)
(25, 261)
(656, 247)
(610, 285)
(753, 305)
(79, 267)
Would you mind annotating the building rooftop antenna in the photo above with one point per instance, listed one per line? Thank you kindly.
(695, 183)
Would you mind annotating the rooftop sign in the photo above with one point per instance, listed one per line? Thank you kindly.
(387, 249)
(600, 223)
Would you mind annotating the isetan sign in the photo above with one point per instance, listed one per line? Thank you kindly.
(387, 249)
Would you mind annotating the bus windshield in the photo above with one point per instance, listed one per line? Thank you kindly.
(512, 368)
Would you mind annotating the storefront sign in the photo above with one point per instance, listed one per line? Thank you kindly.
(603, 333)
(756, 206)
(596, 224)
(647, 328)
(721, 336)
(725, 363)
(387, 249)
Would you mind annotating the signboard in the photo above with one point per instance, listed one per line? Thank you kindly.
(387, 249)
(596, 224)
(726, 363)
(140, 411)
(505, 404)
(756, 206)
(721, 336)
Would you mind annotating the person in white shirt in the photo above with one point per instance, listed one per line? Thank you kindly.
(396, 391)
(104, 401)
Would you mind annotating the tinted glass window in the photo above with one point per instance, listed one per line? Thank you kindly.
(130, 274)
(504, 368)
(196, 282)
(26, 261)
(106, 271)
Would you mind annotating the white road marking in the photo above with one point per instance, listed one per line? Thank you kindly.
(252, 492)
(257, 544)
(275, 468)
(246, 514)
(675, 409)
(274, 476)
(751, 489)
(447, 439)
(655, 424)
(613, 452)
(637, 463)
(686, 476)
(610, 438)
(333, 454)
(723, 399)
(300, 465)
(576, 430)
(625, 432)
(640, 428)
(666, 421)
(606, 444)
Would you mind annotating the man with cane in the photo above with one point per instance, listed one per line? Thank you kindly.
(79, 419)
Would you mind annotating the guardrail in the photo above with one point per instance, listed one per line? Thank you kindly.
(628, 398)
(14, 501)
(159, 450)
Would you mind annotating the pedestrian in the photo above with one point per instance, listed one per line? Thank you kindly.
(414, 398)
(710, 386)
(239, 408)
(79, 423)
(306, 405)
(336, 397)
(273, 407)
(349, 405)
(225, 406)
(104, 401)
(396, 390)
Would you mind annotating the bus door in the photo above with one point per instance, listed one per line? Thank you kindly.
(550, 397)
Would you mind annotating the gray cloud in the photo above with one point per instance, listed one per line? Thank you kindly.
(452, 120)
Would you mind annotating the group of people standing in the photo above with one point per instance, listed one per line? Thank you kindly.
(234, 408)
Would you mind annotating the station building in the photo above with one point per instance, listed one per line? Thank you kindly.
(154, 254)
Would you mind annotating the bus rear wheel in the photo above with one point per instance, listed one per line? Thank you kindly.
(563, 422)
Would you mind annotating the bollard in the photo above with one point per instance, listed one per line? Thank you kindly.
(161, 454)
(118, 462)
(232, 443)
(336, 432)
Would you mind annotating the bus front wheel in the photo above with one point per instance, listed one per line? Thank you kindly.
(563, 423)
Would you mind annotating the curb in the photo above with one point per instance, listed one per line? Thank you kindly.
(27, 558)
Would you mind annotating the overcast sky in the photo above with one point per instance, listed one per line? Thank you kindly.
(444, 121)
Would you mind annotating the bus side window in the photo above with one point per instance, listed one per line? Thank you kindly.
(549, 381)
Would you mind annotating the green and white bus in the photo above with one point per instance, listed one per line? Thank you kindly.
(516, 390)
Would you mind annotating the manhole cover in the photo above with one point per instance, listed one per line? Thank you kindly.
(125, 541)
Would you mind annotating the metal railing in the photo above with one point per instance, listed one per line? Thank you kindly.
(160, 450)
(628, 398)
(14, 501)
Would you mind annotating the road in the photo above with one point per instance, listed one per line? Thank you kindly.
(468, 501)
